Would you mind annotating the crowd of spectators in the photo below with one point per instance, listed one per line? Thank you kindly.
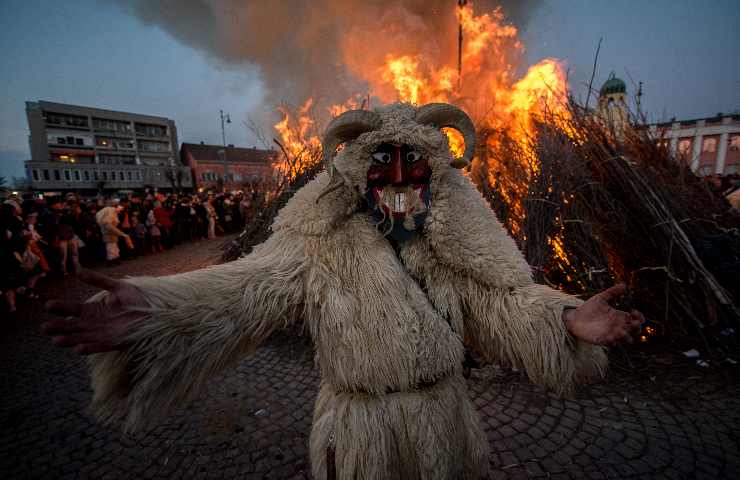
(47, 236)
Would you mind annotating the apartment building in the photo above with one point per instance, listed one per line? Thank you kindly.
(84, 149)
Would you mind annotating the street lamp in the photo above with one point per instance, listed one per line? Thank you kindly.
(227, 119)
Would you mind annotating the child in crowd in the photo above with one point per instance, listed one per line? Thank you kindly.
(34, 238)
(139, 233)
(154, 233)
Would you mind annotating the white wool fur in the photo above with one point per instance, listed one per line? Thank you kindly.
(381, 341)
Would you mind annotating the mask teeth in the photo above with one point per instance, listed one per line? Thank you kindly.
(399, 202)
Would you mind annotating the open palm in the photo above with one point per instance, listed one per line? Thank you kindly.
(599, 323)
(97, 326)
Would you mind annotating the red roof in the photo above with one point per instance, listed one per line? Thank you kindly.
(215, 153)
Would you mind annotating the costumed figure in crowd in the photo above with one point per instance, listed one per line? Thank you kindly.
(107, 219)
(393, 260)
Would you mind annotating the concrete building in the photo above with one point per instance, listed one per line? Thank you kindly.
(708, 145)
(232, 168)
(83, 149)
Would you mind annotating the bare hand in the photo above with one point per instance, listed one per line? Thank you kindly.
(99, 326)
(597, 322)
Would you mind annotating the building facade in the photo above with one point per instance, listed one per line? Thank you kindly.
(76, 148)
(232, 168)
(708, 145)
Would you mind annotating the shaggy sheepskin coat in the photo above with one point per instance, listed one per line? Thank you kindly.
(388, 327)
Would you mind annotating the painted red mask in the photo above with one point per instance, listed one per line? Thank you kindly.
(398, 186)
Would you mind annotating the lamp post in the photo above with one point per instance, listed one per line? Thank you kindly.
(460, 5)
(224, 118)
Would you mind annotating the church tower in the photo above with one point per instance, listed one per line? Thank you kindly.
(613, 103)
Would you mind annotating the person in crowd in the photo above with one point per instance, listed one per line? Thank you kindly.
(238, 219)
(108, 221)
(163, 213)
(90, 233)
(169, 204)
(228, 217)
(124, 217)
(211, 211)
(201, 212)
(139, 233)
(155, 230)
(35, 240)
(64, 238)
(136, 207)
(20, 268)
(182, 219)
(245, 208)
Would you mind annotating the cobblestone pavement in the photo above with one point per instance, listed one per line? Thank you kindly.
(254, 422)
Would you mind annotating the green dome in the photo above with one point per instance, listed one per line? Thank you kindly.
(613, 85)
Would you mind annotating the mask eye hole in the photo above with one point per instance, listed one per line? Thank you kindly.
(412, 157)
(382, 157)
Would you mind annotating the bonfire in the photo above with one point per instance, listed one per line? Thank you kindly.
(588, 206)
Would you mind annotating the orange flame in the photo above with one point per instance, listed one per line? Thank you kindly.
(298, 137)
(486, 88)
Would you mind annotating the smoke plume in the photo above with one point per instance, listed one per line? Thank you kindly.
(321, 48)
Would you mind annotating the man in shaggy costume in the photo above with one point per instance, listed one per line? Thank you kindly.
(392, 259)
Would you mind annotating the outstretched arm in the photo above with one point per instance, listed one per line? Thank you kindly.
(555, 338)
(162, 338)
(474, 263)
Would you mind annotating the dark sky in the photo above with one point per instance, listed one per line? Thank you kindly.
(91, 52)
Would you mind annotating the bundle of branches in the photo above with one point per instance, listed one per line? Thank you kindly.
(294, 172)
(589, 206)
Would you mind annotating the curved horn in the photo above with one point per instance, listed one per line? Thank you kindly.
(347, 126)
(443, 115)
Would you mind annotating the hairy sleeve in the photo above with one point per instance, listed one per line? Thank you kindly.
(523, 326)
(197, 324)
(485, 285)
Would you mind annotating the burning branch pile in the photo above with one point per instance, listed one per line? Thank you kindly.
(587, 205)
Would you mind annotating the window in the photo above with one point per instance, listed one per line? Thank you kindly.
(95, 175)
(87, 176)
(61, 140)
(121, 176)
(77, 175)
(105, 175)
(46, 174)
(149, 130)
(130, 175)
(710, 145)
(35, 174)
(79, 141)
(57, 176)
(735, 142)
(67, 175)
(70, 140)
(684, 146)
